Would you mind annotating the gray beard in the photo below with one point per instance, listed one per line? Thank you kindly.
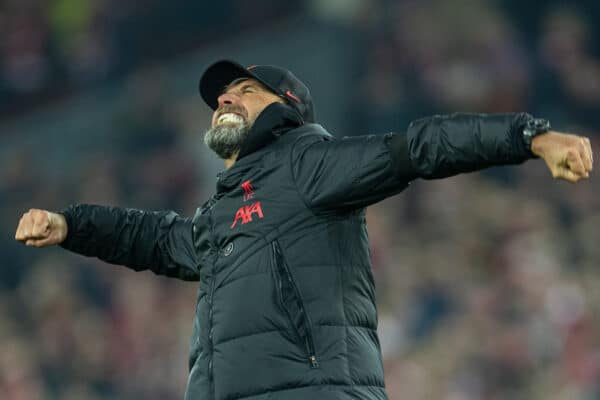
(226, 140)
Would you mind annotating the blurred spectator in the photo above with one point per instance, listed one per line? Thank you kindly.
(569, 83)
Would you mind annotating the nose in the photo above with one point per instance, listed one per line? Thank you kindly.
(227, 98)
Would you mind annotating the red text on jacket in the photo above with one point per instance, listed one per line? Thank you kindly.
(244, 214)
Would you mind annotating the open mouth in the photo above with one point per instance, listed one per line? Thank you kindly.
(230, 118)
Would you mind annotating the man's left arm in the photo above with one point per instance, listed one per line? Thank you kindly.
(355, 172)
(442, 146)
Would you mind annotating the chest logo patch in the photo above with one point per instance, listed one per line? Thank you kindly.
(248, 190)
(244, 214)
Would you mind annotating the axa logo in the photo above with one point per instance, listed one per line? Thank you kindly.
(244, 214)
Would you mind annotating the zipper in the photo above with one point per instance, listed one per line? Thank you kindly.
(211, 292)
(210, 337)
(195, 350)
(283, 272)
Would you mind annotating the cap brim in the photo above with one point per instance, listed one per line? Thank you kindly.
(220, 74)
(217, 77)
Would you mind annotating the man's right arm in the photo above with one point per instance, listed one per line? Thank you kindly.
(159, 241)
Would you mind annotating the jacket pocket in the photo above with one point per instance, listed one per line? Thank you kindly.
(292, 303)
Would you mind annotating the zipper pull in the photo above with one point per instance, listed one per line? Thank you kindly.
(313, 361)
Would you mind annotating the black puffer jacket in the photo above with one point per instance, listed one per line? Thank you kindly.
(286, 301)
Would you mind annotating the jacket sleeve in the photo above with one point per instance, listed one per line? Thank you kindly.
(358, 171)
(446, 145)
(159, 241)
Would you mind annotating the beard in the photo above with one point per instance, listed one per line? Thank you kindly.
(226, 139)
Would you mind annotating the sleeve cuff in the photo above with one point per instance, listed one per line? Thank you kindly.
(68, 214)
(401, 164)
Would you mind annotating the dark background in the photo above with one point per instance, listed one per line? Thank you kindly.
(488, 283)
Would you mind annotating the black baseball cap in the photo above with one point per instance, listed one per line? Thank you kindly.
(279, 80)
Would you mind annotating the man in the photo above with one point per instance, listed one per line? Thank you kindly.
(286, 301)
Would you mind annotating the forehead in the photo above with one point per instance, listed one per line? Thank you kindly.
(241, 82)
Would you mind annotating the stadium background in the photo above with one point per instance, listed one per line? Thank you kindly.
(488, 283)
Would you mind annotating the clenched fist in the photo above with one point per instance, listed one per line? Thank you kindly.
(39, 228)
(568, 157)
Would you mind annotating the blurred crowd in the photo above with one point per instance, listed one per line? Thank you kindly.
(440, 56)
(52, 48)
(488, 283)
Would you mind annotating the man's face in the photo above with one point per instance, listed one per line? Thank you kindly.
(243, 101)
(239, 106)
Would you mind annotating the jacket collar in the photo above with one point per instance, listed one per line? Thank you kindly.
(271, 123)
(275, 120)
